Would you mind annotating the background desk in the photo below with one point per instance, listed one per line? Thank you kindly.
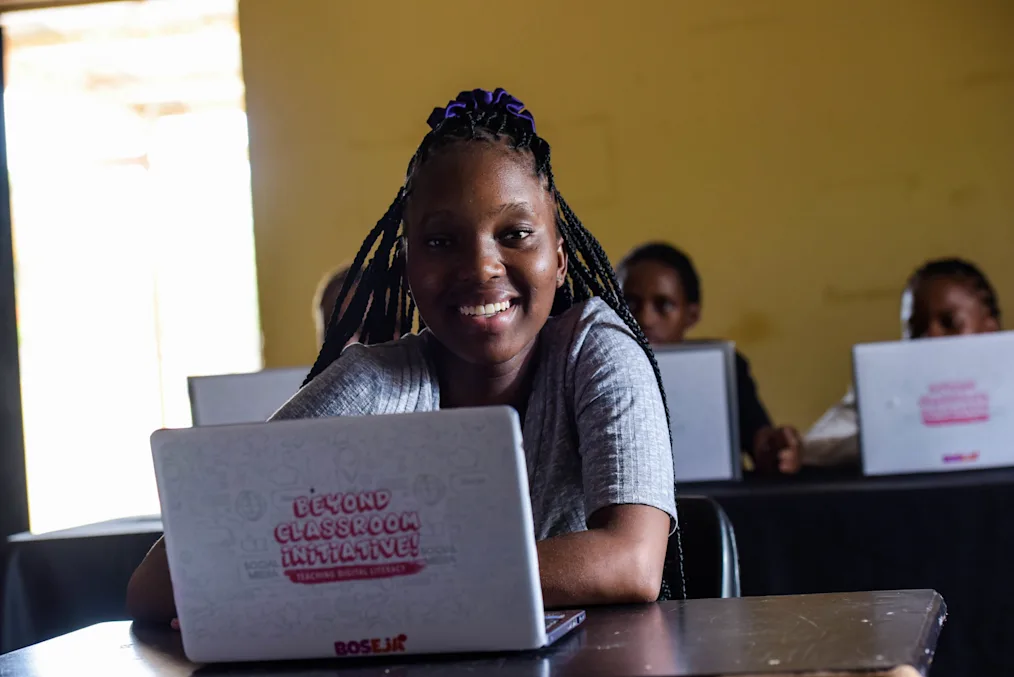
(59, 582)
(953, 533)
(867, 633)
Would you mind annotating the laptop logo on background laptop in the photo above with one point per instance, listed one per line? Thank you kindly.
(970, 457)
(348, 536)
(953, 403)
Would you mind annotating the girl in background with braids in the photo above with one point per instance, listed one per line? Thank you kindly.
(520, 307)
(945, 297)
(325, 301)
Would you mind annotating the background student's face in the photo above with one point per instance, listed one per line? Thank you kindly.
(328, 301)
(658, 302)
(481, 230)
(946, 306)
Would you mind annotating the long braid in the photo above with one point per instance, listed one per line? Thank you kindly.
(343, 326)
(382, 293)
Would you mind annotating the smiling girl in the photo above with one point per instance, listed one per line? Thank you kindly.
(520, 307)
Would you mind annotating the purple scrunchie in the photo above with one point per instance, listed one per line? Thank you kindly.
(480, 99)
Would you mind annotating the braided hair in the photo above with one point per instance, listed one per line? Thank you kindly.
(954, 268)
(381, 302)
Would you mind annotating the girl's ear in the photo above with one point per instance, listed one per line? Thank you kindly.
(561, 263)
(693, 315)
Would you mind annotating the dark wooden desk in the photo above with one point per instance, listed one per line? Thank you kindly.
(873, 633)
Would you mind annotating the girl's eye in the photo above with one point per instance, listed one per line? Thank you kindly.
(518, 234)
(437, 242)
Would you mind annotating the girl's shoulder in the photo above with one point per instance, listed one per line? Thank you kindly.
(361, 380)
(591, 329)
(583, 316)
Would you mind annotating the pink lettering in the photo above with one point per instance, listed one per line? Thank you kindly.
(358, 525)
(333, 502)
(366, 501)
(282, 533)
(301, 507)
(410, 521)
(349, 503)
(387, 547)
(382, 498)
(391, 523)
(404, 547)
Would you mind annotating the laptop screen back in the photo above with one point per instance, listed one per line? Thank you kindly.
(936, 405)
(700, 384)
(242, 398)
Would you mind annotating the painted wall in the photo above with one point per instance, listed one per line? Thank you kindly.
(808, 154)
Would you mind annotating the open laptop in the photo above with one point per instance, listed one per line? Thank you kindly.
(352, 537)
(936, 405)
(700, 384)
(242, 398)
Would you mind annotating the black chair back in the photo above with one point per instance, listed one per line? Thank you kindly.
(710, 560)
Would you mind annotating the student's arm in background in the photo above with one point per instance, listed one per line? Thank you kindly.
(771, 449)
(834, 438)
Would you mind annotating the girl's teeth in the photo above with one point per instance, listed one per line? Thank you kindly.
(487, 309)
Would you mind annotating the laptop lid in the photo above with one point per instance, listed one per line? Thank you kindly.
(358, 536)
(936, 405)
(225, 399)
(700, 384)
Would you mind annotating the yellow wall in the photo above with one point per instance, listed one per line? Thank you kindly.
(808, 153)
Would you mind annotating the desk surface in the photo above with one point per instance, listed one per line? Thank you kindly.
(887, 633)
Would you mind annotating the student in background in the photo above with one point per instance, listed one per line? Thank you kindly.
(945, 297)
(326, 298)
(663, 291)
(521, 308)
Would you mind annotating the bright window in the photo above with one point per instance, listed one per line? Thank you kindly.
(133, 238)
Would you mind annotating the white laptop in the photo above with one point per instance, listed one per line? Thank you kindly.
(935, 405)
(242, 398)
(700, 385)
(353, 537)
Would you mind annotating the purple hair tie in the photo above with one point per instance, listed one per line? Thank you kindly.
(481, 100)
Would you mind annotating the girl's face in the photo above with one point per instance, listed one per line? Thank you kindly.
(947, 306)
(484, 256)
(658, 302)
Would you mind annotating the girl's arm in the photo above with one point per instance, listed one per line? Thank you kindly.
(150, 591)
(626, 461)
(618, 560)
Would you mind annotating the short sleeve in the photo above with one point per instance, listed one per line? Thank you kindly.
(834, 439)
(623, 436)
(346, 387)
